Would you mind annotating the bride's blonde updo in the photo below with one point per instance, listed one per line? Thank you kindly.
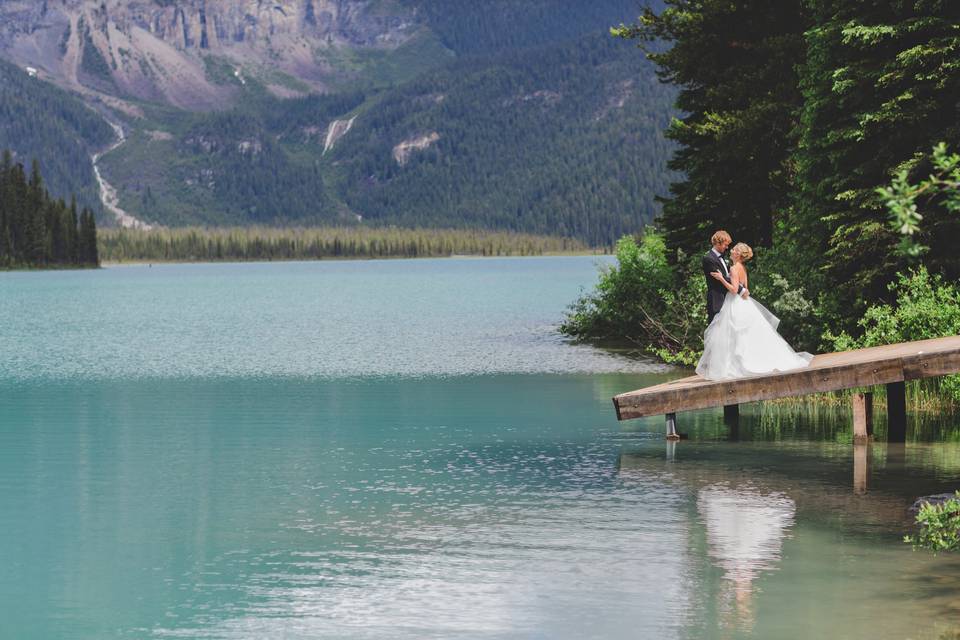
(744, 250)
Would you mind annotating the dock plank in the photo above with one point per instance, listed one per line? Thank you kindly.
(827, 372)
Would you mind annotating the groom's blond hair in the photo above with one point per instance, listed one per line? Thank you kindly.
(720, 236)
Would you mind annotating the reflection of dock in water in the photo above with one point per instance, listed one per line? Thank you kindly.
(748, 507)
(769, 519)
(889, 365)
(779, 471)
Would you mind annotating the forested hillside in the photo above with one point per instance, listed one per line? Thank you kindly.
(38, 120)
(519, 116)
(566, 139)
(259, 163)
(496, 26)
(795, 122)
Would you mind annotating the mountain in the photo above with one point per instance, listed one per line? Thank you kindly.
(39, 120)
(508, 114)
(160, 50)
(565, 139)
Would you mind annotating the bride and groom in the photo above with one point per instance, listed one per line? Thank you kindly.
(741, 338)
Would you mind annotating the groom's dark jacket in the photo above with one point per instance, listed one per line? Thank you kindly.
(716, 292)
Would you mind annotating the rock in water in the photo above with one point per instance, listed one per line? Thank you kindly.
(935, 499)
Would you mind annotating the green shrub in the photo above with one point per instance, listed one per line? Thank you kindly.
(939, 526)
(926, 307)
(901, 196)
(638, 301)
(800, 324)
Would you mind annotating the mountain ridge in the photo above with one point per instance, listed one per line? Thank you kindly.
(405, 112)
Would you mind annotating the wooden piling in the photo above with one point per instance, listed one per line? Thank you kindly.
(896, 412)
(862, 417)
(731, 413)
(672, 427)
(861, 468)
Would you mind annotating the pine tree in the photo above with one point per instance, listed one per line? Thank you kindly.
(72, 252)
(879, 84)
(35, 233)
(735, 64)
(36, 230)
(88, 239)
(6, 204)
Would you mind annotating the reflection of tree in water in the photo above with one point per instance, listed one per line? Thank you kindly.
(745, 532)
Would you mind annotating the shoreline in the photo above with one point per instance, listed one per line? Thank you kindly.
(142, 262)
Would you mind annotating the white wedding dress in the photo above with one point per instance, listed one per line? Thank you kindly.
(743, 341)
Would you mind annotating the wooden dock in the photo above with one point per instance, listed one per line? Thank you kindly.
(889, 365)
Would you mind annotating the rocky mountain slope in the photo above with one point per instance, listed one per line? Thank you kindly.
(160, 50)
(514, 114)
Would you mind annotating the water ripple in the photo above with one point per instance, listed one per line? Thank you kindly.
(318, 320)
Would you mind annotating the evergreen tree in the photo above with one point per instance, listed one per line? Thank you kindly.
(6, 207)
(735, 64)
(72, 234)
(18, 213)
(36, 230)
(880, 85)
(88, 239)
(36, 235)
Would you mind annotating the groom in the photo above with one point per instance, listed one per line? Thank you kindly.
(713, 261)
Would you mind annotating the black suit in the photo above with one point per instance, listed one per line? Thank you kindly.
(716, 292)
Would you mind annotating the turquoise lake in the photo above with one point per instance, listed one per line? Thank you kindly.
(408, 449)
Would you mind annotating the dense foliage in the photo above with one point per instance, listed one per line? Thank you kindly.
(635, 300)
(477, 28)
(255, 164)
(818, 105)
(925, 307)
(41, 121)
(939, 526)
(260, 243)
(35, 229)
(566, 140)
(880, 81)
(735, 65)
(902, 197)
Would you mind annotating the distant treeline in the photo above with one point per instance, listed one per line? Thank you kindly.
(35, 229)
(262, 243)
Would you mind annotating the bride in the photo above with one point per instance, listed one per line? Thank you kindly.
(742, 339)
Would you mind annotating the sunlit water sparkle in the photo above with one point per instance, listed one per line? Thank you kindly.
(408, 450)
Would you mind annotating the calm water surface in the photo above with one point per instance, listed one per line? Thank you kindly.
(406, 449)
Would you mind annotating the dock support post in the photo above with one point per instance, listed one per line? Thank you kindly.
(731, 413)
(896, 412)
(861, 468)
(731, 418)
(672, 427)
(862, 417)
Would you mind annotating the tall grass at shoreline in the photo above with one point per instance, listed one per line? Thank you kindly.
(195, 244)
(922, 396)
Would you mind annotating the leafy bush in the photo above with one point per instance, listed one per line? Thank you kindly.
(637, 301)
(926, 307)
(901, 196)
(939, 526)
(800, 323)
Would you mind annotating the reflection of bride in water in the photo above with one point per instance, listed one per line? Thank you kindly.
(745, 532)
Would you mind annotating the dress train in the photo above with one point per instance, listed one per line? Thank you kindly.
(743, 341)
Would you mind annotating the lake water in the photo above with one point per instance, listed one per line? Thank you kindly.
(407, 449)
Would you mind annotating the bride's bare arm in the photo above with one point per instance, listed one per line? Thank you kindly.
(731, 286)
(738, 276)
